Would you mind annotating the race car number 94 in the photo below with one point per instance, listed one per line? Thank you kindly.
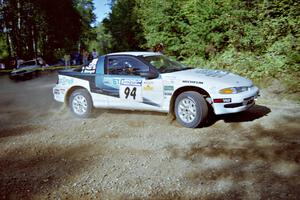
(131, 93)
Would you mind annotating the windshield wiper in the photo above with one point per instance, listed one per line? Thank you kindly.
(176, 69)
(186, 68)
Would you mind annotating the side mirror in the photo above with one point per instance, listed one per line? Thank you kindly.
(149, 74)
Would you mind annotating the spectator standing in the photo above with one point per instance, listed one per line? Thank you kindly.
(85, 56)
(159, 48)
(67, 59)
(77, 58)
(94, 54)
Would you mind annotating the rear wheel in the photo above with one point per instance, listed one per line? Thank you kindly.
(80, 103)
(191, 109)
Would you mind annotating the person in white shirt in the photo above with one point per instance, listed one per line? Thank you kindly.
(94, 54)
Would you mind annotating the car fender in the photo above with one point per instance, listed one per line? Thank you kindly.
(185, 88)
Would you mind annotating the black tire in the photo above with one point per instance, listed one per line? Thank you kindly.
(36, 73)
(86, 106)
(186, 117)
(12, 78)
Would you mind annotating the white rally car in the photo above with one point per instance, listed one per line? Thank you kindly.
(151, 81)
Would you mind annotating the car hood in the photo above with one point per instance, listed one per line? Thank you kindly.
(208, 76)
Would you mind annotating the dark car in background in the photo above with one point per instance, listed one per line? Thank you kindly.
(27, 69)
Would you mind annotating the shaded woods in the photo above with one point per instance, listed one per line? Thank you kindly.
(44, 28)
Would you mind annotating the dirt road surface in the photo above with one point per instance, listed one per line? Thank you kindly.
(46, 153)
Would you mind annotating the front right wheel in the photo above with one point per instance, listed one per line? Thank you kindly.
(191, 109)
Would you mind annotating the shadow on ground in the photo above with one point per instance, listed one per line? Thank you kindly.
(99, 111)
(26, 172)
(254, 113)
(264, 166)
(20, 130)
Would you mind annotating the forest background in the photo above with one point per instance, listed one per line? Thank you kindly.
(254, 38)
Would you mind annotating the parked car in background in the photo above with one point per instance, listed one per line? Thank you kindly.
(28, 69)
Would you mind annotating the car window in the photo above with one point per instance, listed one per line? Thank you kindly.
(114, 65)
(25, 64)
(125, 66)
(163, 64)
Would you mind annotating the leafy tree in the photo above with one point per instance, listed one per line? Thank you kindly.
(44, 27)
(3, 47)
(103, 40)
(87, 17)
(255, 38)
(111, 3)
(123, 26)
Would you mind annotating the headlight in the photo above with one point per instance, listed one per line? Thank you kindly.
(233, 90)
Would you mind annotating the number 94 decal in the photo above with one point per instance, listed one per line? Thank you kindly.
(131, 93)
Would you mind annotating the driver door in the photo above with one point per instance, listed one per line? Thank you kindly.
(133, 90)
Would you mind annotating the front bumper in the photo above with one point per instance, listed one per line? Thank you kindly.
(59, 93)
(239, 102)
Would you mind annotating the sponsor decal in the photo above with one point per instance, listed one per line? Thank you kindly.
(168, 93)
(65, 81)
(148, 87)
(131, 82)
(168, 82)
(192, 82)
(111, 82)
(148, 82)
(116, 81)
(169, 87)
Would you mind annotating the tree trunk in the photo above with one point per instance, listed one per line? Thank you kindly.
(9, 45)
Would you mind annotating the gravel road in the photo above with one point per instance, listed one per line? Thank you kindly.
(46, 153)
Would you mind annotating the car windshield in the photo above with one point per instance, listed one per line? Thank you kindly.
(163, 64)
(26, 64)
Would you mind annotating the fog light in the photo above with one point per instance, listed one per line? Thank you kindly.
(224, 100)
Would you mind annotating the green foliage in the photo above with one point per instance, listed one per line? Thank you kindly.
(87, 17)
(123, 26)
(260, 68)
(3, 47)
(258, 39)
(103, 41)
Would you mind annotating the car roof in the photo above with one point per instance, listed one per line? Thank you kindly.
(136, 53)
(27, 61)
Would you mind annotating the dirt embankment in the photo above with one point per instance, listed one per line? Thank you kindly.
(46, 153)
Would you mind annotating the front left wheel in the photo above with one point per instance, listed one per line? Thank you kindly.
(191, 109)
(80, 103)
